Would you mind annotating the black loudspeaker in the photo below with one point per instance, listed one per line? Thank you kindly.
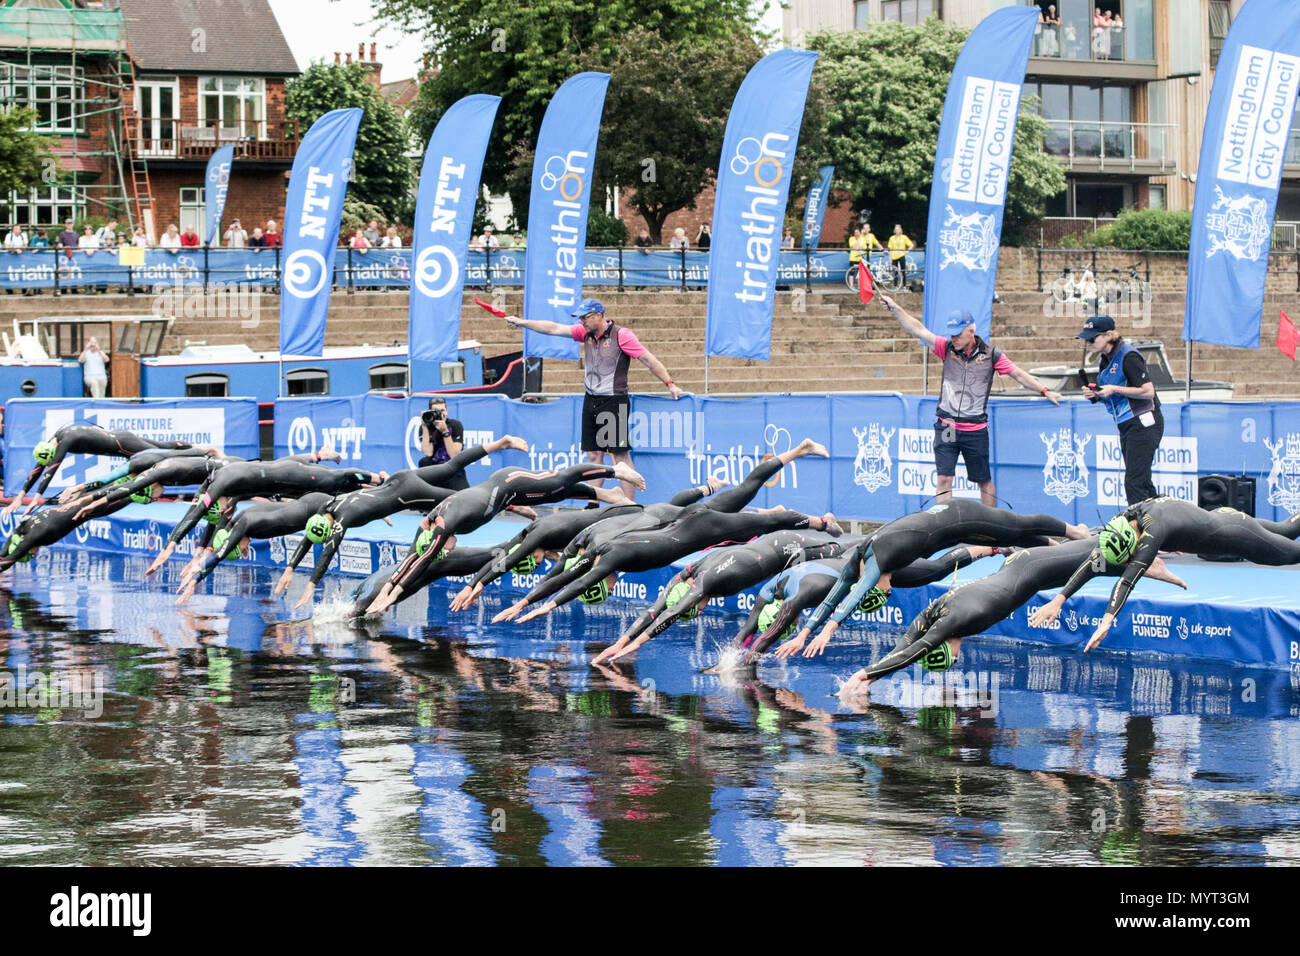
(1225, 491)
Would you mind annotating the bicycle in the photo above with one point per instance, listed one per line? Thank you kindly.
(1125, 283)
(885, 277)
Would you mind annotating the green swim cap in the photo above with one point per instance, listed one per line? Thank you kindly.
(939, 659)
(875, 599)
(767, 616)
(1117, 540)
(213, 514)
(15, 540)
(570, 562)
(679, 592)
(527, 564)
(43, 452)
(318, 528)
(220, 539)
(423, 540)
(595, 594)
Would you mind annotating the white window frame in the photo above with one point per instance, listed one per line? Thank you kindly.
(257, 93)
(64, 87)
(48, 198)
(152, 142)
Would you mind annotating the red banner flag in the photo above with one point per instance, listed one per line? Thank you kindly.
(866, 287)
(1288, 336)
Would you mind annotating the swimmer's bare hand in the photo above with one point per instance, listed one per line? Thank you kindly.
(282, 584)
(794, 645)
(818, 646)
(187, 592)
(306, 596)
(510, 613)
(855, 687)
(1100, 633)
(1048, 613)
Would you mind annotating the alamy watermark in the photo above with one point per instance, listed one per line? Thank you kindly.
(220, 300)
(82, 690)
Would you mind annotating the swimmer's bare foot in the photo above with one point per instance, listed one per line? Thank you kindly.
(625, 472)
(508, 441)
(717, 484)
(1076, 532)
(510, 613)
(831, 526)
(810, 447)
(524, 512)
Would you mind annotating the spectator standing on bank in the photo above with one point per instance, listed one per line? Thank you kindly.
(171, 239)
(236, 237)
(607, 350)
(787, 241)
(961, 426)
(190, 239)
(705, 238)
(15, 239)
(257, 241)
(372, 233)
(141, 238)
(391, 239)
(88, 242)
(38, 240)
(107, 234)
(643, 242)
(899, 246)
(272, 234)
(93, 370)
(679, 240)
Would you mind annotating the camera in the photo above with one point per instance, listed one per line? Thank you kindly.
(432, 416)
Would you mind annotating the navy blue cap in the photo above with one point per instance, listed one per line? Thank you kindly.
(958, 319)
(587, 307)
(1095, 326)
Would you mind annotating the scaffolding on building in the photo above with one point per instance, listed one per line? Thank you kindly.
(107, 174)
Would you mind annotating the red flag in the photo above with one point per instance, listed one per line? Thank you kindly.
(866, 287)
(491, 308)
(1288, 336)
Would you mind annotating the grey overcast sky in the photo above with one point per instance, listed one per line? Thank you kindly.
(316, 29)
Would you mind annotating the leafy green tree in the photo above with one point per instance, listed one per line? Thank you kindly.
(381, 171)
(25, 163)
(1140, 229)
(883, 92)
(523, 52)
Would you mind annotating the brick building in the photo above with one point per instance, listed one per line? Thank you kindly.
(136, 95)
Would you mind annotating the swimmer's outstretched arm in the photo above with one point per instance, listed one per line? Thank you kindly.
(643, 621)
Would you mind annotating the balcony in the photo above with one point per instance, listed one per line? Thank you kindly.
(1075, 44)
(1145, 149)
(175, 139)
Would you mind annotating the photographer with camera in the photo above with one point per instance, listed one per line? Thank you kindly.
(441, 439)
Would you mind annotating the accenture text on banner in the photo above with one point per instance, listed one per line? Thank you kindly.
(313, 211)
(749, 203)
(444, 221)
(557, 210)
(973, 158)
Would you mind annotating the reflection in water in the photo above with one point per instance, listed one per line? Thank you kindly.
(230, 734)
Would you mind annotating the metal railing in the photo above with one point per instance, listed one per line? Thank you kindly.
(1111, 145)
(181, 140)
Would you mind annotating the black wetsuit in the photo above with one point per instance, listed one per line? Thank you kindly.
(283, 476)
(974, 606)
(458, 562)
(806, 585)
(45, 527)
(90, 440)
(266, 519)
(140, 462)
(900, 542)
(1168, 524)
(175, 472)
(692, 531)
(723, 572)
(652, 517)
(561, 529)
(469, 510)
(417, 489)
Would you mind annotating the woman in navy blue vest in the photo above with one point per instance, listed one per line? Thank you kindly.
(1124, 386)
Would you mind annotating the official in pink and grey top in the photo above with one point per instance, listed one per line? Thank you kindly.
(961, 427)
(607, 351)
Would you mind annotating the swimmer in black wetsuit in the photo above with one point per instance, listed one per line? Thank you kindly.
(900, 542)
(243, 479)
(138, 463)
(411, 488)
(721, 572)
(1136, 535)
(267, 519)
(463, 560)
(576, 559)
(37, 530)
(150, 484)
(545, 537)
(782, 600)
(974, 606)
(468, 510)
(642, 551)
(80, 440)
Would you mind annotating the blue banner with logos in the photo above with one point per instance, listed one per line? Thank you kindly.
(971, 165)
(391, 268)
(312, 213)
(557, 210)
(1245, 143)
(1062, 461)
(216, 185)
(229, 424)
(753, 185)
(444, 220)
(814, 210)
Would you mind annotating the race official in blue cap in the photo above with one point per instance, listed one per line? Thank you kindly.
(607, 352)
(961, 427)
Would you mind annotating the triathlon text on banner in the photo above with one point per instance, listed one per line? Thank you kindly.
(444, 220)
(216, 184)
(814, 210)
(749, 203)
(317, 186)
(971, 165)
(1247, 131)
(557, 210)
